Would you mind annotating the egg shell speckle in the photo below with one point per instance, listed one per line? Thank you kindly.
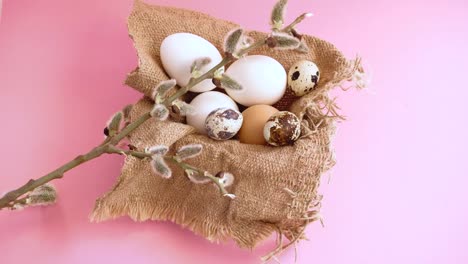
(303, 76)
(223, 123)
(281, 129)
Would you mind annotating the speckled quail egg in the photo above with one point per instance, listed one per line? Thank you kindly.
(223, 123)
(282, 128)
(303, 76)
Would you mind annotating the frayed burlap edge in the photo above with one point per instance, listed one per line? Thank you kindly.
(318, 113)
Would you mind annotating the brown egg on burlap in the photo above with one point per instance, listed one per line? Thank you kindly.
(282, 128)
(303, 76)
(255, 118)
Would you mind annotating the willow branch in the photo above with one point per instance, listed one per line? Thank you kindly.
(186, 166)
(126, 152)
(19, 202)
(129, 129)
(107, 146)
(207, 75)
(298, 20)
(56, 174)
(173, 159)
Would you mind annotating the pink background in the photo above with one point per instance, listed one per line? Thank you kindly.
(398, 192)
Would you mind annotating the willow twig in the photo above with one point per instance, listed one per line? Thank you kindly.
(297, 21)
(126, 152)
(214, 179)
(173, 159)
(108, 145)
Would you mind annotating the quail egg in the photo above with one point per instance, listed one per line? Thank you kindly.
(223, 123)
(282, 128)
(303, 76)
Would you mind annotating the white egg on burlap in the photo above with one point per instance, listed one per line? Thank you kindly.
(178, 53)
(263, 80)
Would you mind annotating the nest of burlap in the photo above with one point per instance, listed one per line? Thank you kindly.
(275, 187)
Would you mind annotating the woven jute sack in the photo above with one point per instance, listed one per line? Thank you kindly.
(275, 187)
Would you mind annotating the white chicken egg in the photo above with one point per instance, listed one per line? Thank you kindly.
(178, 52)
(263, 80)
(204, 104)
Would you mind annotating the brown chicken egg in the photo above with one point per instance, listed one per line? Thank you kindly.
(281, 129)
(255, 118)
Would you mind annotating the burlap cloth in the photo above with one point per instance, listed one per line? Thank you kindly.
(276, 187)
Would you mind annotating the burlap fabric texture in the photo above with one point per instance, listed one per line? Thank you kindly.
(276, 187)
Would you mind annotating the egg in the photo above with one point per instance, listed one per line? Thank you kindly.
(263, 80)
(303, 76)
(223, 123)
(255, 118)
(178, 52)
(204, 104)
(283, 128)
